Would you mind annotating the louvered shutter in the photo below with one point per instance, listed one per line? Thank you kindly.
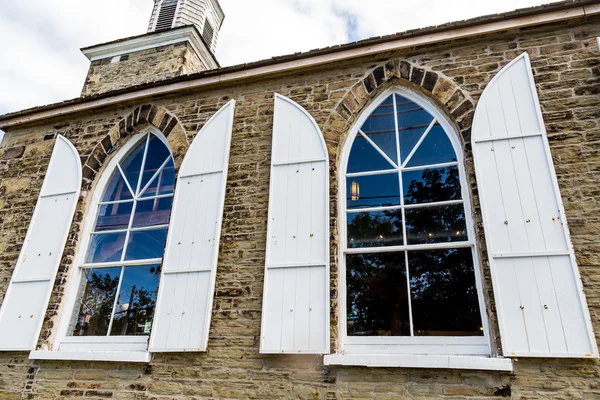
(187, 282)
(166, 15)
(26, 300)
(541, 307)
(295, 315)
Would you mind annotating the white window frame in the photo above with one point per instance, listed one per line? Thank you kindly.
(100, 348)
(373, 346)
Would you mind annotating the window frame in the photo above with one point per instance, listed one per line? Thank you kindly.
(130, 348)
(410, 345)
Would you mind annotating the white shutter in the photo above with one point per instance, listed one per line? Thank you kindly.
(296, 290)
(26, 300)
(539, 296)
(187, 283)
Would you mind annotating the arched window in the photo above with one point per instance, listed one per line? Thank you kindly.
(409, 262)
(124, 249)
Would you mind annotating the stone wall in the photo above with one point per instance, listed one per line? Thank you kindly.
(566, 64)
(141, 67)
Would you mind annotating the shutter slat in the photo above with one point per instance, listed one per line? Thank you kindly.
(296, 297)
(542, 311)
(24, 305)
(185, 298)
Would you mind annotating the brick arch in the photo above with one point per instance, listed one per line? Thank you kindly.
(141, 117)
(449, 97)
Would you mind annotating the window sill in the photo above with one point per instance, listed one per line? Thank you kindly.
(421, 361)
(122, 356)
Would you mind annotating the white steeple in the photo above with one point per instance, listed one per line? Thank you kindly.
(206, 15)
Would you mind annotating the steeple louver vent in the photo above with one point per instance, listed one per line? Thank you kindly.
(208, 33)
(166, 15)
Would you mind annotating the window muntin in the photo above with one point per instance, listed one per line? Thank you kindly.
(117, 294)
(408, 249)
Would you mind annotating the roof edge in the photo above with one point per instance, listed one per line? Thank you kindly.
(539, 15)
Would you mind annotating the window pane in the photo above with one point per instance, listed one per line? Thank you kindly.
(373, 191)
(411, 115)
(364, 157)
(152, 212)
(377, 295)
(164, 183)
(132, 165)
(380, 127)
(443, 293)
(96, 300)
(106, 247)
(375, 229)
(114, 216)
(435, 149)
(144, 245)
(134, 312)
(431, 185)
(435, 224)
(156, 156)
(408, 140)
(117, 189)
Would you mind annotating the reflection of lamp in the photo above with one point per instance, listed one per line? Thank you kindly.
(355, 191)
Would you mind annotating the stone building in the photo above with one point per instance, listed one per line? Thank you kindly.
(413, 216)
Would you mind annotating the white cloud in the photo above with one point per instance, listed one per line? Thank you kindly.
(40, 39)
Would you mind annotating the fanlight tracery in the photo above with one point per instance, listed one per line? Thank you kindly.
(409, 258)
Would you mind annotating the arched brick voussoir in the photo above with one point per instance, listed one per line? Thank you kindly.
(158, 117)
(450, 98)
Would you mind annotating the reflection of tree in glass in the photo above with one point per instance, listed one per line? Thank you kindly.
(373, 229)
(435, 184)
(133, 315)
(96, 307)
(377, 299)
(444, 296)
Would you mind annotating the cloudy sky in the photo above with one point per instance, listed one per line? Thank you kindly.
(40, 39)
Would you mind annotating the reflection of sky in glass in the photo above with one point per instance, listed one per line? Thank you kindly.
(164, 183)
(380, 127)
(435, 149)
(134, 317)
(375, 228)
(147, 244)
(117, 189)
(431, 185)
(106, 247)
(375, 190)
(132, 165)
(364, 157)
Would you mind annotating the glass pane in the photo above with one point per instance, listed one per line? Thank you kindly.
(373, 191)
(132, 165)
(117, 189)
(430, 185)
(152, 212)
(380, 127)
(157, 155)
(134, 312)
(96, 298)
(364, 157)
(377, 295)
(443, 293)
(408, 140)
(106, 247)
(411, 115)
(144, 245)
(164, 183)
(435, 149)
(375, 229)
(114, 216)
(435, 224)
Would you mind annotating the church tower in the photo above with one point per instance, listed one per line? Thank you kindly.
(181, 40)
